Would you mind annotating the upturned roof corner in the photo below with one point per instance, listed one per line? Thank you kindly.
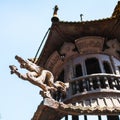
(116, 12)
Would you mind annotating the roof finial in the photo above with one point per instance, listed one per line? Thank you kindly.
(55, 10)
(81, 16)
(55, 17)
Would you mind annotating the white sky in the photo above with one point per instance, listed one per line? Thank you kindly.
(23, 24)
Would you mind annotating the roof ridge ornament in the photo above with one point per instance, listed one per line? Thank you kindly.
(116, 12)
(55, 17)
(81, 17)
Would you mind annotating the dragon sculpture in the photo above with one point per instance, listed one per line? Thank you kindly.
(39, 77)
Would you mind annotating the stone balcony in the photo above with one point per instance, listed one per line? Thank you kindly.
(92, 87)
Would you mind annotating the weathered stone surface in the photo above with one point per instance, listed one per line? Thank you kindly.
(52, 108)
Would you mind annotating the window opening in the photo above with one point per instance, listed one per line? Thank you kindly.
(78, 70)
(107, 67)
(92, 66)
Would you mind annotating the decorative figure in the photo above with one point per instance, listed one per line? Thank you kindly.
(39, 77)
(67, 50)
(114, 47)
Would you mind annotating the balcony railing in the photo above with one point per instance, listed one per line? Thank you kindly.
(95, 81)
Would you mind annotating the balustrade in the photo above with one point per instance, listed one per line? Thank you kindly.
(95, 82)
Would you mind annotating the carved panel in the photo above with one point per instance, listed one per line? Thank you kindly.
(68, 49)
(114, 47)
(90, 44)
(54, 62)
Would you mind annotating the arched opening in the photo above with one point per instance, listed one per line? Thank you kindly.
(92, 66)
(107, 67)
(78, 70)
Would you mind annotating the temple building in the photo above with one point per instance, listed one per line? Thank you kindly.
(78, 70)
(86, 55)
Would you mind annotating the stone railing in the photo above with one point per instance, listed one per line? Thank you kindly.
(93, 83)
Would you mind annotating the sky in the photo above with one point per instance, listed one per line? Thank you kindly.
(23, 24)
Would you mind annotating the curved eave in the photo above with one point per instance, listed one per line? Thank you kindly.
(61, 32)
(51, 109)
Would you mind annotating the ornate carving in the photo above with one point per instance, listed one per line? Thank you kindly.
(90, 44)
(39, 77)
(68, 49)
(54, 62)
(114, 47)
